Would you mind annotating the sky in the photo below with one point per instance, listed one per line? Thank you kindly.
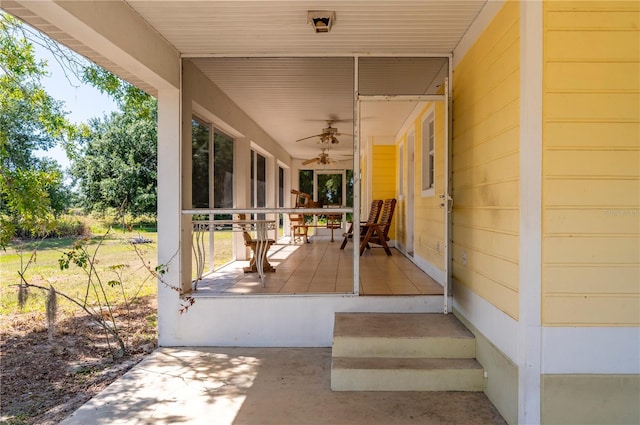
(82, 103)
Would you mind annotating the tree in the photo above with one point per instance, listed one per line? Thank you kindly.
(29, 120)
(116, 162)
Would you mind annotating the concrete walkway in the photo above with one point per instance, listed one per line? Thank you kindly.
(264, 386)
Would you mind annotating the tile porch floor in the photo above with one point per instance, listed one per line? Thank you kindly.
(321, 267)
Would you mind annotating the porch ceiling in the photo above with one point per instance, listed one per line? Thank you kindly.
(270, 70)
(288, 97)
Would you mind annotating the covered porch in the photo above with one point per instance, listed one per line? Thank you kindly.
(232, 169)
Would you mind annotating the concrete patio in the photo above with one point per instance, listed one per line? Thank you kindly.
(214, 385)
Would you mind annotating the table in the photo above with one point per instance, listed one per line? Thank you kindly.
(300, 229)
(262, 242)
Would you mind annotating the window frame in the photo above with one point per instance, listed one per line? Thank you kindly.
(428, 151)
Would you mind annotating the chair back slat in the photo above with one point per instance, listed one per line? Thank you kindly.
(374, 211)
(386, 217)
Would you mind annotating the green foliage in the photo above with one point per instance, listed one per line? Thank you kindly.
(130, 98)
(31, 189)
(116, 164)
(78, 255)
(68, 225)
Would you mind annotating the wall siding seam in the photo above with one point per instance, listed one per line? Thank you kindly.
(462, 133)
(593, 91)
(485, 184)
(492, 207)
(478, 97)
(487, 161)
(485, 252)
(583, 235)
(597, 148)
(634, 266)
(561, 120)
(474, 102)
(582, 207)
(488, 229)
(557, 7)
(590, 30)
(487, 139)
(579, 177)
(607, 295)
(590, 60)
(491, 300)
(497, 281)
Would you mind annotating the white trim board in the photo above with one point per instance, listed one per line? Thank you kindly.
(498, 327)
(590, 350)
(430, 269)
(530, 248)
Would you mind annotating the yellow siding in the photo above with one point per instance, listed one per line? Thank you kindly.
(429, 216)
(383, 175)
(486, 127)
(591, 164)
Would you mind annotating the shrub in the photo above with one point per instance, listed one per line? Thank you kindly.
(68, 225)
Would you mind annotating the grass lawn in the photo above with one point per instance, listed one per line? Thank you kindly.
(115, 260)
(223, 243)
(114, 256)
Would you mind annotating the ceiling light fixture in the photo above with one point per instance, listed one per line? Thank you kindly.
(321, 20)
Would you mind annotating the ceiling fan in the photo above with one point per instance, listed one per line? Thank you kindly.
(328, 135)
(322, 158)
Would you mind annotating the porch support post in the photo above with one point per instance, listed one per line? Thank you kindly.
(169, 212)
(357, 179)
(530, 276)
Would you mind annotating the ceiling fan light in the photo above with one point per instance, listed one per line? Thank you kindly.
(321, 20)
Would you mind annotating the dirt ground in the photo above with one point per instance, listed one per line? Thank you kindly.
(43, 381)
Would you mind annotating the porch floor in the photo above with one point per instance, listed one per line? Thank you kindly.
(264, 386)
(321, 267)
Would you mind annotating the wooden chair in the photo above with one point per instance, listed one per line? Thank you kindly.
(252, 244)
(374, 213)
(378, 233)
(334, 221)
(299, 229)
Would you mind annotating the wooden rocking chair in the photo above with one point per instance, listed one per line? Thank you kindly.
(378, 233)
(374, 213)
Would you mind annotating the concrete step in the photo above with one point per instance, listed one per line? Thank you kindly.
(417, 335)
(405, 374)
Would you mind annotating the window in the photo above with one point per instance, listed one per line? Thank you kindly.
(428, 156)
(207, 161)
(222, 170)
(305, 181)
(258, 180)
(200, 138)
(330, 188)
(281, 176)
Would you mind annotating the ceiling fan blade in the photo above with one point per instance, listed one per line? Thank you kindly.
(343, 134)
(310, 137)
(309, 161)
(332, 118)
